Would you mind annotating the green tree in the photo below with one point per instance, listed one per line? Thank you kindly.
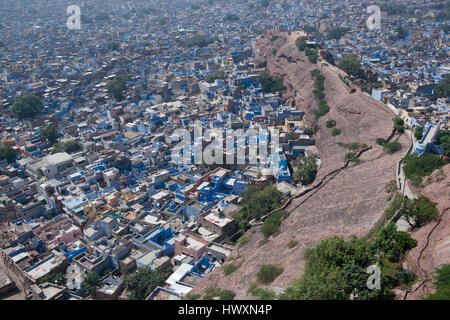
(417, 167)
(116, 87)
(143, 282)
(444, 141)
(351, 65)
(442, 284)
(335, 268)
(331, 123)
(307, 169)
(90, 283)
(442, 90)
(418, 212)
(7, 153)
(70, 146)
(393, 243)
(27, 106)
(49, 134)
(399, 124)
(301, 44)
(418, 132)
(270, 85)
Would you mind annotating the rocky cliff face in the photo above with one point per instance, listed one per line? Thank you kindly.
(433, 240)
(348, 202)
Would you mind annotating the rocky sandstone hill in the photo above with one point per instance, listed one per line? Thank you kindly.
(433, 240)
(348, 202)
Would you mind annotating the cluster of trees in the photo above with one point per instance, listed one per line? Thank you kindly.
(336, 33)
(49, 134)
(330, 123)
(319, 94)
(444, 141)
(399, 124)
(141, 283)
(199, 40)
(256, 203)
(336, 268)
(442, 89)
(392, 147)
(306, 169)
(269, 84)
(418, 167)
(272, 223)
(27, 106)
(70, 146)
(312, 54)
(418, 212)
(352, 66)
(215, 75)
(116, 87)
(7, 153)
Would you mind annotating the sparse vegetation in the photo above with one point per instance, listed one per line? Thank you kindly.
(392, 147)
(351, 65)
(255, 204)
(141, 283)
(272, 223)
(267, 273)
(292, 243)
(336, 131)
(7, 153)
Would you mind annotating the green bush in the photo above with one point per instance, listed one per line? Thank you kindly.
(331, 123)
(230, 268)
(272, 223)
(417, 167)
(268, 273)
(442, 284)
(242, 240)
(7, 153)
(336, 132)
(263, 294)
(227, 295)
(392, 147)
(27, 106)
(292, 243)
(381, 141)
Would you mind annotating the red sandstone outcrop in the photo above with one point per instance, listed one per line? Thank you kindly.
(433, 240)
